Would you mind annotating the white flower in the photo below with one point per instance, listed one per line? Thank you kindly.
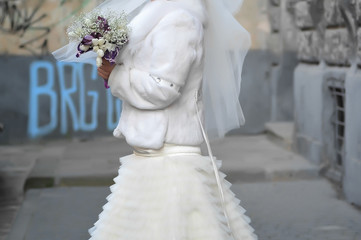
(100, 53)
(110, 46)
(84, 48)
(95, 48)
(99, 61)
(72, 34)
(101, 41)
(95, 41)
(87, 21)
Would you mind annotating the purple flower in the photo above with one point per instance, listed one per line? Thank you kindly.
(103, 23)
(79, 51)
(96, 35)
(87, 40)
(106, 83)
(111, 55)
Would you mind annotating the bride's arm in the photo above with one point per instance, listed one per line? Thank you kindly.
(174, 50)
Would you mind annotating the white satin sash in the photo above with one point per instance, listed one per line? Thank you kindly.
(166, 150)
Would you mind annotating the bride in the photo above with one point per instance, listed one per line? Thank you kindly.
(180, 70)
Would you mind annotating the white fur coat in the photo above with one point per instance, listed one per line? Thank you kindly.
(161, 70)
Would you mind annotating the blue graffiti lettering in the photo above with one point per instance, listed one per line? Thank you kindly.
(73, 99)
(95, 96)
(65, 96)
(111, 123)
(36, 90)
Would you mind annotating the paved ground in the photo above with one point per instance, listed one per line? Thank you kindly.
(279, 211)
(282, 192)
(307, 210)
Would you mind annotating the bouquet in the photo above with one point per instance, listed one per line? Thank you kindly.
(104, 34)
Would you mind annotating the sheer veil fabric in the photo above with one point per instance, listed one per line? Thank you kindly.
(226, 45)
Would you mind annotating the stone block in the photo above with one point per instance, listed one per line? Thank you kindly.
(290, 5)
(333, 15)
(350, 11)
(308, 87)
(274, 44)
(274, 2)
(352, 176)
(274, 14)
(338, 47)
(358, 47)
(309, 45)
(303, 17)
(358, 10)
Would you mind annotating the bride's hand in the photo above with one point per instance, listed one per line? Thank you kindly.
(105, 70)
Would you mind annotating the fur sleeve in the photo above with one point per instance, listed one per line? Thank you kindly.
(175, 41)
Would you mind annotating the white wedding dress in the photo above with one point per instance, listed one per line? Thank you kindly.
(174, 193)
(170, 194)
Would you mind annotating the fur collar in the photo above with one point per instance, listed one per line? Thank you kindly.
(147, 19)
(153, 12)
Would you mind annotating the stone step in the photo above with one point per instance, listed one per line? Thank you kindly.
(79, 163)
(257, 159)
(281, 133)
(96, 162)
(16, 163)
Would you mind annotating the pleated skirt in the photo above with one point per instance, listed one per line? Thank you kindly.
(170, 195)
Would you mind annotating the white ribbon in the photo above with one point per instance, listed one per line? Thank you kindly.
(215, 169)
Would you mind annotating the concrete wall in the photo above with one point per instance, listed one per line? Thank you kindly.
(39, 97)
(352, 179)
(35, 27)
(267, 85)
(255, 94)
(308, 111)
(281, 45)
(328, 37)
